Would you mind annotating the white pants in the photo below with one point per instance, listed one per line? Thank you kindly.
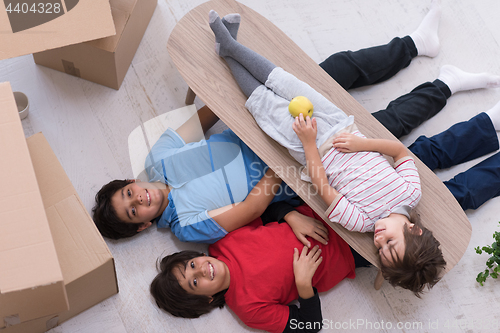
(268, 104)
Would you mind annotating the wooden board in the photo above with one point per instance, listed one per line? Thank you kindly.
(191, 47)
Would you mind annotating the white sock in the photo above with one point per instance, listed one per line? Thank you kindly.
(494, 114)
(426, 37)
(458, 80)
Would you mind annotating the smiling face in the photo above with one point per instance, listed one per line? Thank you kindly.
(140, 202)
(203, 276)
(389, 237)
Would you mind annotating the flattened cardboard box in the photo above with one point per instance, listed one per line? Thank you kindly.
(31, 281)
(105, 61)
(28, 26)
(87, 265)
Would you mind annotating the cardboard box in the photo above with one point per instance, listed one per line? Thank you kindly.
(87, 265)
(105, 61)
(27, 27)
(31, 281)
(84, 262)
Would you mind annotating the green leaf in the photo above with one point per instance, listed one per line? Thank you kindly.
(496, 235)
(493, 262)
(490, 262)
(487, 249)
(480, 278)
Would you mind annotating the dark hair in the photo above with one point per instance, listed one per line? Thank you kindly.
(421, 264)
(104, 214)
(171, 297)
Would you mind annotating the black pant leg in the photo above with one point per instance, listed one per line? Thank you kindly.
(359, 260)
(409, 111)
(370, 65)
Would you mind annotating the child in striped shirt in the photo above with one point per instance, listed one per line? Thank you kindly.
(364, 192)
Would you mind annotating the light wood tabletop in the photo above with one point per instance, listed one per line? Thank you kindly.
(191, 47)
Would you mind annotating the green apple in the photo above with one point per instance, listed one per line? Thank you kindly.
(300, 104)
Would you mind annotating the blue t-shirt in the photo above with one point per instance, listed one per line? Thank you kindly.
(204, 176)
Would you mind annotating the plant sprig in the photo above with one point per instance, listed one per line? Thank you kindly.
(493, 262)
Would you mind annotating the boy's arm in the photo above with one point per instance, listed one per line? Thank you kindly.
(189, 131)
(308, 312)
(302, 226)
(306, 131)
(348, 143)
(304, 319)
(234, 216)
(305, 264)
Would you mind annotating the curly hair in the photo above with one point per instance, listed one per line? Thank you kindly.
(104, 214)
(171, 297)
(422, 262)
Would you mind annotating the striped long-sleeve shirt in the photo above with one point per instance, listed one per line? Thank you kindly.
(370, 187)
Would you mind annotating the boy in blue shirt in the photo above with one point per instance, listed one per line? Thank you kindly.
(200, 190)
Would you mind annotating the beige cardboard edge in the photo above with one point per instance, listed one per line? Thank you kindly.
(107, 60)
(71, 28)
(31, 280)
(88, 281)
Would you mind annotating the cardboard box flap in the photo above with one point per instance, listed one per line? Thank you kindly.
(27, 305)
(121, 10)
(30, 270)
(83, 246)
(120, 17)
(34, 27)
(81, 249)
(106, 60)
(125, 5)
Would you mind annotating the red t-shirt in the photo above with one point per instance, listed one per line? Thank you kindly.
(260, 262)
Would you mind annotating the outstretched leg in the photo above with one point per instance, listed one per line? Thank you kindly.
(371, 65)
(477, 185)
(226, 46)
(460, 143)
(376, 64)
(410, 110)
(245, 80)
(480, 183)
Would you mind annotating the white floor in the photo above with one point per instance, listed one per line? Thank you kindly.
(88, 126)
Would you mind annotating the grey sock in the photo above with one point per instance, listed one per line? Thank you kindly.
(232, 24)
(226, 46)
